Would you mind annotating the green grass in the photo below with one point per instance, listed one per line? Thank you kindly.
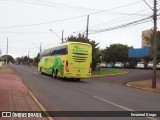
(108, 71)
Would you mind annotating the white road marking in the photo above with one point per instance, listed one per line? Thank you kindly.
(119, 106)
(113, 103)
(41, 106)
(35, 73)
(31, 71)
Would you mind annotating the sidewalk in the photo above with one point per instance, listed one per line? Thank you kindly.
(146, 85)
(14, 95)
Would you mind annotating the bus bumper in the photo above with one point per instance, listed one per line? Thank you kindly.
(71, 75)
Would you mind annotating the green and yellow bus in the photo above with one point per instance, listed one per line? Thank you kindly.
(69, 60)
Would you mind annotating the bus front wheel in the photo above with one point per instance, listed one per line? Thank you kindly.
(41, 71)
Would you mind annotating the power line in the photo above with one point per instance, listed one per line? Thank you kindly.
(116, 7)
(82, 8)
(119, 19)
(54, 5)
(115, 21)
(27, 40)
(148, 5)
(42, 23)
(69, 6)
(51, 4)
(23, 32)
(4, 45)
(123, 25)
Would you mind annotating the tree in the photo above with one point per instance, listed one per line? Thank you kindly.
(7, 58)
(95, 49)
(0, 52)
(116, 53)
(95, 54)
(37, 58)
(79, 38)
(19, 60)
(25, 58)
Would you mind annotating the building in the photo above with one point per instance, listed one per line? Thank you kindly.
(146, 33)
(0, 53)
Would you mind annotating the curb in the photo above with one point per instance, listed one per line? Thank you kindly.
(34, 98)
(40, 106)
(142, 88)
(110, 74)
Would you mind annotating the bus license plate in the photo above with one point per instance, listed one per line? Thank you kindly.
(78, 75)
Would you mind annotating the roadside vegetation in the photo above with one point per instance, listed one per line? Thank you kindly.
(111, 54)
(108, 71)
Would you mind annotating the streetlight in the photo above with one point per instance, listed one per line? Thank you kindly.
(57, 35)
(40, 48)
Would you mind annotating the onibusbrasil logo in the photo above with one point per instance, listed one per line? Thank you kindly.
(21, 114)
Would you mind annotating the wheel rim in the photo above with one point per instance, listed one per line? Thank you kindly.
(57, 75)
(53, 74)
(41, 71)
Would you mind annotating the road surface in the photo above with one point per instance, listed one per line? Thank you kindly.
(95, 94)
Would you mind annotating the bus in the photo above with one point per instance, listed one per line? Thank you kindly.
(69, 60)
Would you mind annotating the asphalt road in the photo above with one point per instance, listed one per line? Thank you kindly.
(95, 94)
(134, 75)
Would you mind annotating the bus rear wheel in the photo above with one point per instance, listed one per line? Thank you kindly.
(77, 79)
(55, 74)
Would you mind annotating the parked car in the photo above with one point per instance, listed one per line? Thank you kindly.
(158, 66)
(127, 65)
(110, 65)
(141, 65)
(150, 65)
(103, 65)
(119, 65)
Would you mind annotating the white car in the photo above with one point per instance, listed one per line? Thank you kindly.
(119, 65)
(150, 65)
(103, 65)
(141, 65)
(158, 66)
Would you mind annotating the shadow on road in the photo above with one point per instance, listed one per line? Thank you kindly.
(67, 79)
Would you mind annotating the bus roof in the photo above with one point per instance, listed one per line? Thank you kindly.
(66, 44)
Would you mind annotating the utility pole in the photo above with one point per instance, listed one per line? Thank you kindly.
(7, 52)
(57, 35)
(40, 48)
(28, 53)
(62, 36)
(155, 46)
(87, 27)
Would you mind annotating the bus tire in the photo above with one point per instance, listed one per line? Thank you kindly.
(41, 71)
(54, 75)
(77, 79)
